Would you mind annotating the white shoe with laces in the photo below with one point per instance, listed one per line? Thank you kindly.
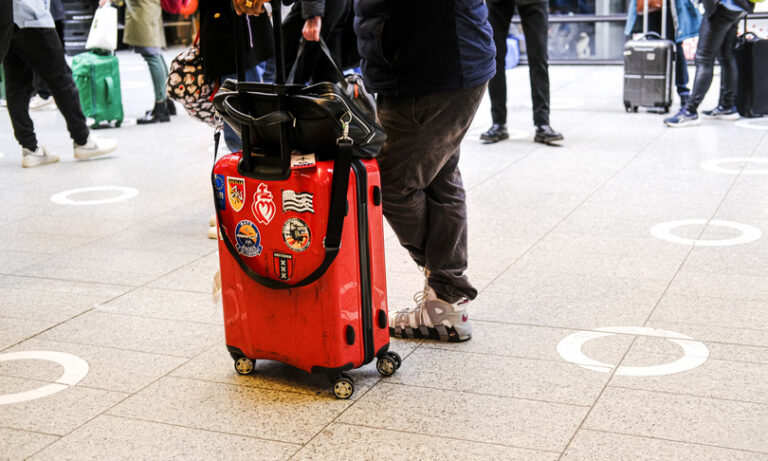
(432, 318)
(38, 157)
(94, 147)
(38, 103)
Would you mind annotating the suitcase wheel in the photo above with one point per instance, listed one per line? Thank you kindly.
(343, 386)
(388, 364)
(244, 366)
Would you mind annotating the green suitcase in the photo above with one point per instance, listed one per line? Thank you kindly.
(98, 80)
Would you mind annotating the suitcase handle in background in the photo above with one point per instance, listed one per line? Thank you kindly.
(336, 213)
(110, 87)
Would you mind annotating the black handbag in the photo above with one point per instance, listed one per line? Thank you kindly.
(314, 115)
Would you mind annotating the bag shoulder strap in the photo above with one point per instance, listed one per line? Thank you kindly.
(328, 55)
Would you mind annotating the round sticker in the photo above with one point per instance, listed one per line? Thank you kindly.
(248, 239)
(62, 198)
(75, 370)
(296, 235)
(694, 352)
(749, 233)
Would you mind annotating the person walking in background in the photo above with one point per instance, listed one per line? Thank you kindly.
(34, 46)
(429, 67)
(534, 16)
(683, 22)
(144, 31)
(43, 98)
(312, 20)
(717, 39)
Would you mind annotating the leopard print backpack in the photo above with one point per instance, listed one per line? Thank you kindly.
(187, 86)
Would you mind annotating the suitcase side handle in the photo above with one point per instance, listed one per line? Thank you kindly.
(336, 213)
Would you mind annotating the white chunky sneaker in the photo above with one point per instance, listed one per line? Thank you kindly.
(432, 318)
(38, 103)
(41, 156)
(94, 147)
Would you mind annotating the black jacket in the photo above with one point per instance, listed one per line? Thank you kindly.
(217, 38)
(417, 47)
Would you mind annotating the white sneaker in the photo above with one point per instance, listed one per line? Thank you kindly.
(94, 147)
(432, 318)
(38, 103)
(213, 232)
(41, 156)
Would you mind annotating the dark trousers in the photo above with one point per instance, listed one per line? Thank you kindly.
(717, 38)
(6, 26)
(314, 66)
(535, 19)
(40, 87)
(40, 50)
(423, 194)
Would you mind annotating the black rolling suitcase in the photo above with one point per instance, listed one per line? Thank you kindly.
(752, 58)
(648, 68)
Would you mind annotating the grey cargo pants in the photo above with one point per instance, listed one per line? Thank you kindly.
(423, 194)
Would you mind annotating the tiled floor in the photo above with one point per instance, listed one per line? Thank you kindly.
(560, 246)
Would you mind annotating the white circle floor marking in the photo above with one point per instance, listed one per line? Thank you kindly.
(75, 370)
(749, 233)
(754, 124)
(62, 198)
(694, 352)
(714, 165)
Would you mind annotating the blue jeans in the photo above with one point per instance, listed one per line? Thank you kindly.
(231, 138)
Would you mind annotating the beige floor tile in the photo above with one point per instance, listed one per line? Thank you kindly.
(14, 331)
(167, 304)
(479, 418)
(730, 286)
(109, 369)
(343, 441)
(596, 446)
(196, 277)
(109, 437)
(530, 342)
(56, 414)
(501, 376)
(684, 418)
(141, 334)
(280, 416)
(16, 444)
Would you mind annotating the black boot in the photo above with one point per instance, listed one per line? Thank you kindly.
(497, 133)
(171, 106)
(158, 114)
(546, 135)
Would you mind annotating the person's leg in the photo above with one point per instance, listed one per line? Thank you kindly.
(423, 198)
(158, 70)
(681, 74)
(18, 87)
(729, 70)
(41, 49)
(712, 34)
(535, 20)
(499, 16)
(292, 26)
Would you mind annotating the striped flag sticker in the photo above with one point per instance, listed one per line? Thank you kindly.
(300, 203)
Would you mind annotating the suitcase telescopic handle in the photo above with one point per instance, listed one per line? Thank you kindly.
(336, 213)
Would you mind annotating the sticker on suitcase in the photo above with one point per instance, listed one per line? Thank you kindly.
(296, 235)
(263, 208)
(236, 192)
(283, 265)
(247, 239)
(221, 199)
(302, 161)
(300, 203)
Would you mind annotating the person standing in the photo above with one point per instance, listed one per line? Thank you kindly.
(717, 39)
(34, 46)
(429, 62)
(534, 15)
(144, 31)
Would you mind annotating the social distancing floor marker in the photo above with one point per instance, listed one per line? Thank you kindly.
(75, 370)
(126, 193)
(695, 353)
(754, 124)
(749, 233)
(714, 165)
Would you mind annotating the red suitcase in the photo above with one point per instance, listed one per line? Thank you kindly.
(276, 229)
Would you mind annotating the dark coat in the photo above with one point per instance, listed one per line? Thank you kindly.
(424, 46)
(711, 5)
(217, 38)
